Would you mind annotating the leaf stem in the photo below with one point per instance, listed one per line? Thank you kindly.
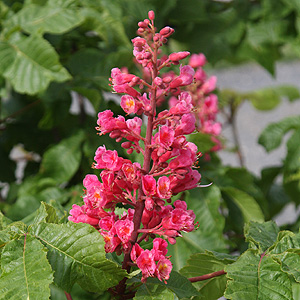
(69, 297)
(207, 276)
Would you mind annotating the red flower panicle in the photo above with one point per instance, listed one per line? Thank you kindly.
(169, 159)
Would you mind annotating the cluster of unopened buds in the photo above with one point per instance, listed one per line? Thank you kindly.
(169, 158)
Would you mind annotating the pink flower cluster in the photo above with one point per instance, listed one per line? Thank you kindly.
(146, 260)
(205, 102)
(169, 158)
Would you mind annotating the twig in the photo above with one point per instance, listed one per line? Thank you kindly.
(207, 276)
(232, 121)
(237, 142)
(20, 111)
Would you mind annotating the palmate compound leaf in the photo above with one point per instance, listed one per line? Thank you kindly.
(257, 277)
(30, 64)
(205, 263)
(76, 254)
(26, 273)
(265, 275)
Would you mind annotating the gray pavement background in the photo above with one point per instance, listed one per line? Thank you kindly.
(251, 122)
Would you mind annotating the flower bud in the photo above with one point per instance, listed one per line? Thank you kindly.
(156, 37)
(158, 81)
(176, 56)
(135, 80)
(182, 171)
(138, 42)
(147, 55)
(115, 134)
(129, 151)
(167, 79)
(151, 15)
(142, 24)
(171, 233)
(140, 31)
(149, 204)
(176, 83)
(172, 241)
(139, 56)
(197, 60)
(126, 145)
(166, 31)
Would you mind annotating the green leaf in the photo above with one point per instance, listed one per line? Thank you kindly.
(266, 32)
(55, 19)
(178, 284)
(292, 160)
(254, 277)
(107, 23)
(296, 291)
(26, 273)
(272, 135)
(4, 239)
(153, 292)
(24, 206)
(30, 64)
(290, 261)
(203, 141)
(289, 91)
(294, 4)
(264, 99)
(205, 203)
(261, 235)
(247, 204)
(287, 252)
(265, 55)
(46, 213)
(16, 229)
(11, 232)
(205, 263)
(286, 240)
(277, 199)
(4, 221)
(62, 160)
(268, 176)
(76, 254)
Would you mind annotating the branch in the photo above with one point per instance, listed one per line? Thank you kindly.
(237, 143)
(20, 111)
(207, 276)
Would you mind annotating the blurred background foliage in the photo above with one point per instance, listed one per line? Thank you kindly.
(55, 54)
